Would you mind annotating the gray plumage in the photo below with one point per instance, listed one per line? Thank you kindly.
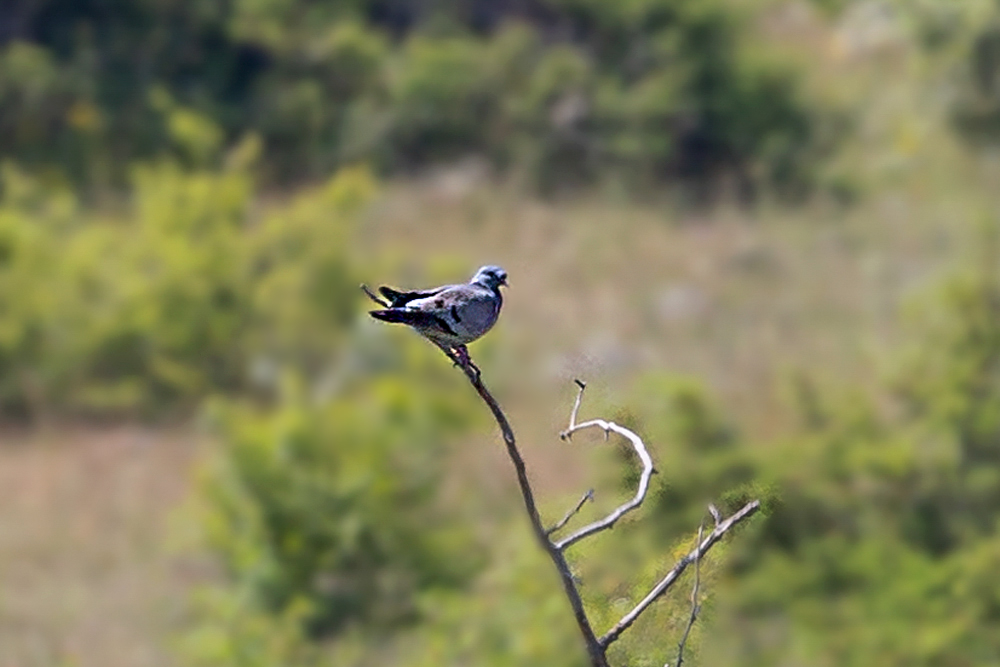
(451, 315)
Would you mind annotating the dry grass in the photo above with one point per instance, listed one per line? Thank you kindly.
(86, 578)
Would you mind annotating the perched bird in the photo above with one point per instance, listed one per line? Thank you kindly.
(452, 315)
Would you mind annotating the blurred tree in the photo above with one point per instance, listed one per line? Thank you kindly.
(180, 297)
(976, 111)
(568, 90)
(333, 510)
(879, 521)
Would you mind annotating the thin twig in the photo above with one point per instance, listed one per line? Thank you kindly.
(595, 650)
(647, 471)
(695, 606)
(714, 511)
(374, 297)
(721, 529)
(568, 433)
(589, 495)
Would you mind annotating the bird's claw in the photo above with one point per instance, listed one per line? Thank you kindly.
(463, 360)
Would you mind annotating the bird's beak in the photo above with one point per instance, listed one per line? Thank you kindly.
(504, 283)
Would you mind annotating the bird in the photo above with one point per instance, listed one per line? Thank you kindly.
(451, 316)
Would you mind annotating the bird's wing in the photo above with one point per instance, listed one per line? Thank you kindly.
(399, 298)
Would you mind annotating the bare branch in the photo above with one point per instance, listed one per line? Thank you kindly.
(721, 529)
(595, 650)
(377, 299)
(589, 495)
(695, 606)
(640, 494)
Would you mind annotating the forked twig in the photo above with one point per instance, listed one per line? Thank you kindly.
(640, 449)
(664, 585)
(596, 647)
(595, 651)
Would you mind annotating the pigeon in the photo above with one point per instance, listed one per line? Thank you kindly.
(451, 316)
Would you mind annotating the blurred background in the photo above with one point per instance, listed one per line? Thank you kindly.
(766, 232)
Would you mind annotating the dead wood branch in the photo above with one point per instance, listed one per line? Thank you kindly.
(595, 651)
(596, 647)
(640, 450)
(665, 584)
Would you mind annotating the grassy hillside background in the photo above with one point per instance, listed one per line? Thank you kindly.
(764, 232)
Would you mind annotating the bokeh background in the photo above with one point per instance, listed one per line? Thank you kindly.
(766, 232)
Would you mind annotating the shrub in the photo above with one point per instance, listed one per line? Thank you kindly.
(333, 509)
(886, 518)
(565, 91)
(180, 297)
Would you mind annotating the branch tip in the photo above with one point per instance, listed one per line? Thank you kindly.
(371, 295)
(714, 511)
(589, 495)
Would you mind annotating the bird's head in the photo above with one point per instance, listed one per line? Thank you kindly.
(491, 277)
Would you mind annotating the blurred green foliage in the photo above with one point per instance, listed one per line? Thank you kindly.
(327, 500)
(330, 510)
(567, 91)
(880, 538)
(341, 538)
(977, 110)
(184, 293)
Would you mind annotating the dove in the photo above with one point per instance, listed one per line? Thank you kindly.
(451, 316)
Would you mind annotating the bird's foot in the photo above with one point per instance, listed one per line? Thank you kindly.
(464, 360)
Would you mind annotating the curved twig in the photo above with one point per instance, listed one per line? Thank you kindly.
(640, 449)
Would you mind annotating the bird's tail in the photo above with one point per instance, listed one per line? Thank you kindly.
(415, 318)
(398, 315)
